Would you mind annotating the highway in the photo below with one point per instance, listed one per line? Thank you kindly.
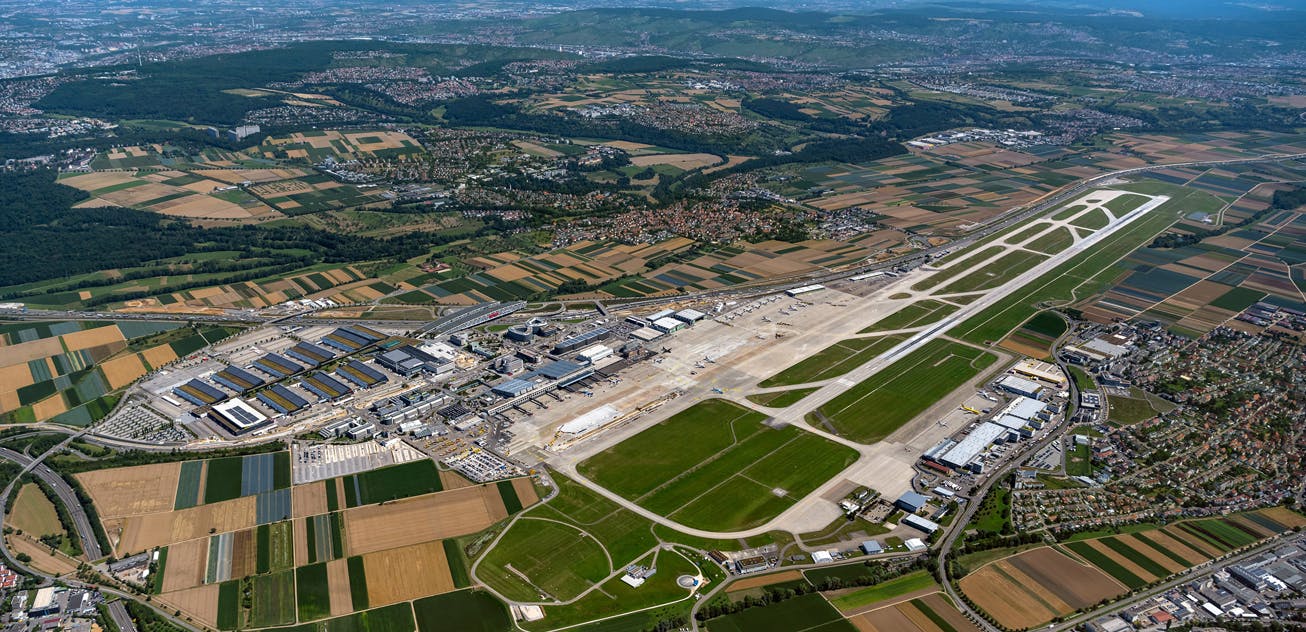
(33, 465)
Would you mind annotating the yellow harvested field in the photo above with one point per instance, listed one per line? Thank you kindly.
(138, 533)
(200, 603)
(49, 407)
(422, 519)
(159, 356)
(309, 499)
(121, 371)
(201, 206)
(24, 352)
(88, 338)
(525, 491)
(33, 513)
(186, 565)
(15, 376)
(338, 587)
(451, 480)
(9, 401)
(42, 560)
(237, 176)
(299, 529)
(127, 491)
(682, 161)
(93, 181)
(406, 573)
(1284, 516)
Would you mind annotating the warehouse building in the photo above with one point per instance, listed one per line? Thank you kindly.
(1020, 386)
(659, 315)
(281, 399)
(646, 334)
(804, 289)
(593, 354)
(310, 354)
(689, 316)
(911, 502)
(199, 393)
(871, 547)
(360, 374)
(581, 341)
(237, 379)
(973, 445)
(668, 325)
(277, 366)
(1010, 422)
(1025, 408)
(917, 522)
(238, 417)
(351, 339)
(324, 386)
(407, 360)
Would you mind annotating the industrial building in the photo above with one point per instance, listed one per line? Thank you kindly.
(277, 366)
(360, 374)
(310, 354)
(646, 334)
(590, 420)
(689, 316)
(520, 333)
(911, 502)
(581, 341)
(281, 399)
(804, 290)
(973, 445)
(1025, 408)
(659, 315)
(410, 405)
(238, 417)
(871, 547)
(407, 360)
(324, 386)
(199, 393)
(237, 379)
(668, 325)
(1039, 370)
(590, 355)
(1020, 386)
(352, 338)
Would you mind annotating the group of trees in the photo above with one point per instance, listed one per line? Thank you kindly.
(1282, 201)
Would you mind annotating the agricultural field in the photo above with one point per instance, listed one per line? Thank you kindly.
(34, 514)
(73, 372)
(713, 456)
(1035, 337)
(833, 361)
(930, 613)
(914, 582)
(317, 145)
(1034, 586)
(171, 192)
(469, 610)
(879, 405)
(809, 612)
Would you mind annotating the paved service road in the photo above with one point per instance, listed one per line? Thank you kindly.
(84, 531)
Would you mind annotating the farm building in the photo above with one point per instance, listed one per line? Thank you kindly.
(237, 379)
(668, 325)
(690, 316)
(593, 354)
(238, 417)
(911, 502)
(324, 386)
(1020, 386)
(199, 393)
(581, 341)
(277, 366)
(281, 399)
(917, 522)
(1039, 370)
(361, 374)
(973, 445)
(310, 354)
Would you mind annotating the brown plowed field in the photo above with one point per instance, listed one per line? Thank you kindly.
(422, 519)
(1037, 591)
(1151, 554)
(889, 619)
(1077, 584)
(128, 491)
(765, 580)
(949, 613)
(244, 554)
(186, 564)
(200, 603)
(1284, 516)
(1033, 587)
(1177, 547)
(157, 529)
(299, 534)
(451, 480)
(309, 499)
(406, 573)
(1123, 561)
(525, 491)
(918, 618)
(338, 584)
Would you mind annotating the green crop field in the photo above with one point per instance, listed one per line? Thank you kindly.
(509, 495)
(1112, 568)
(229, 607)
(188, 485)
(393, 618)
(995, 274)
(272, 600)
(222, 480)
(358, 582)
(717, 466)
(313, 594)
(1173, 555)
(1137, 557)
(391, 483)
(1229, 535)
(917, 314)
(781, 399)
(554, 557)
(464, 611)
(833, 361)
(880, 404)
(276, 550)
(810, 613)
(896, 587)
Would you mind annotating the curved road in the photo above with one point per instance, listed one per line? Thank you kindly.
(33, 465)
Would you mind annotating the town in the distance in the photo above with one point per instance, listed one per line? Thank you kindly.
(641, 316)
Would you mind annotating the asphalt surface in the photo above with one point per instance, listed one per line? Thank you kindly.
(118, 612)
(84, 531)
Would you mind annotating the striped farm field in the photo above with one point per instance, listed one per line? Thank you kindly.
(1036, 586)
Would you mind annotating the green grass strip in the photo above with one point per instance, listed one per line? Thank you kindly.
(263, 549)
(337, 536)
(357, 583)
(333, 501)
(509, 496)
(229, 605)
(1163, 551)
(1107, 564)
(156, 584)
(457, 565)
(933, 616)
(1136, 557)
(311, 532)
